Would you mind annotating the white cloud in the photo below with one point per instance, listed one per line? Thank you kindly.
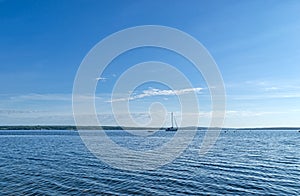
(266, 96)
(54, 97)
(42, 97)
(101, 79)
(157, 92)
(273, 88)
(239, 114)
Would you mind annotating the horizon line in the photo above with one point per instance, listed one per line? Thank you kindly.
(74, 127)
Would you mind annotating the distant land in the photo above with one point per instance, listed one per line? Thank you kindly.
(70, 127)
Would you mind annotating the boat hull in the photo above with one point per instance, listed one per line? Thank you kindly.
(171, 129)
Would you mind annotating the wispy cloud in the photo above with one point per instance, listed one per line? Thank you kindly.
(266, 96)
(54, 97)
(42, 97)
(16, 112)
(158, 92)
(272, 88)
(239, 114)
(263, 89)
(101, 79)
(267, 85)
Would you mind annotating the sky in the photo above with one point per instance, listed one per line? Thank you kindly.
(256, 45)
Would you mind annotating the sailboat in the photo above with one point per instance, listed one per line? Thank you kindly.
(172, 128)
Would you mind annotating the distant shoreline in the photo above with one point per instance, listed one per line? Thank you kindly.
(71, 127)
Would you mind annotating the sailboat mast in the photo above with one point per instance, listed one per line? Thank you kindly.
(172, 118)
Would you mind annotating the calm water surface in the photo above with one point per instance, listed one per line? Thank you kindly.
(241, 162)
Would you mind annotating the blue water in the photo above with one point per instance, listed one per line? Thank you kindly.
(241, 162)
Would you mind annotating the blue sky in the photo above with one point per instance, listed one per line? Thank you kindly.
(256, 45)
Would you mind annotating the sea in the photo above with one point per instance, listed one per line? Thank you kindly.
(242, 162)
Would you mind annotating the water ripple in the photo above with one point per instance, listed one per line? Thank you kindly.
(241, 163)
